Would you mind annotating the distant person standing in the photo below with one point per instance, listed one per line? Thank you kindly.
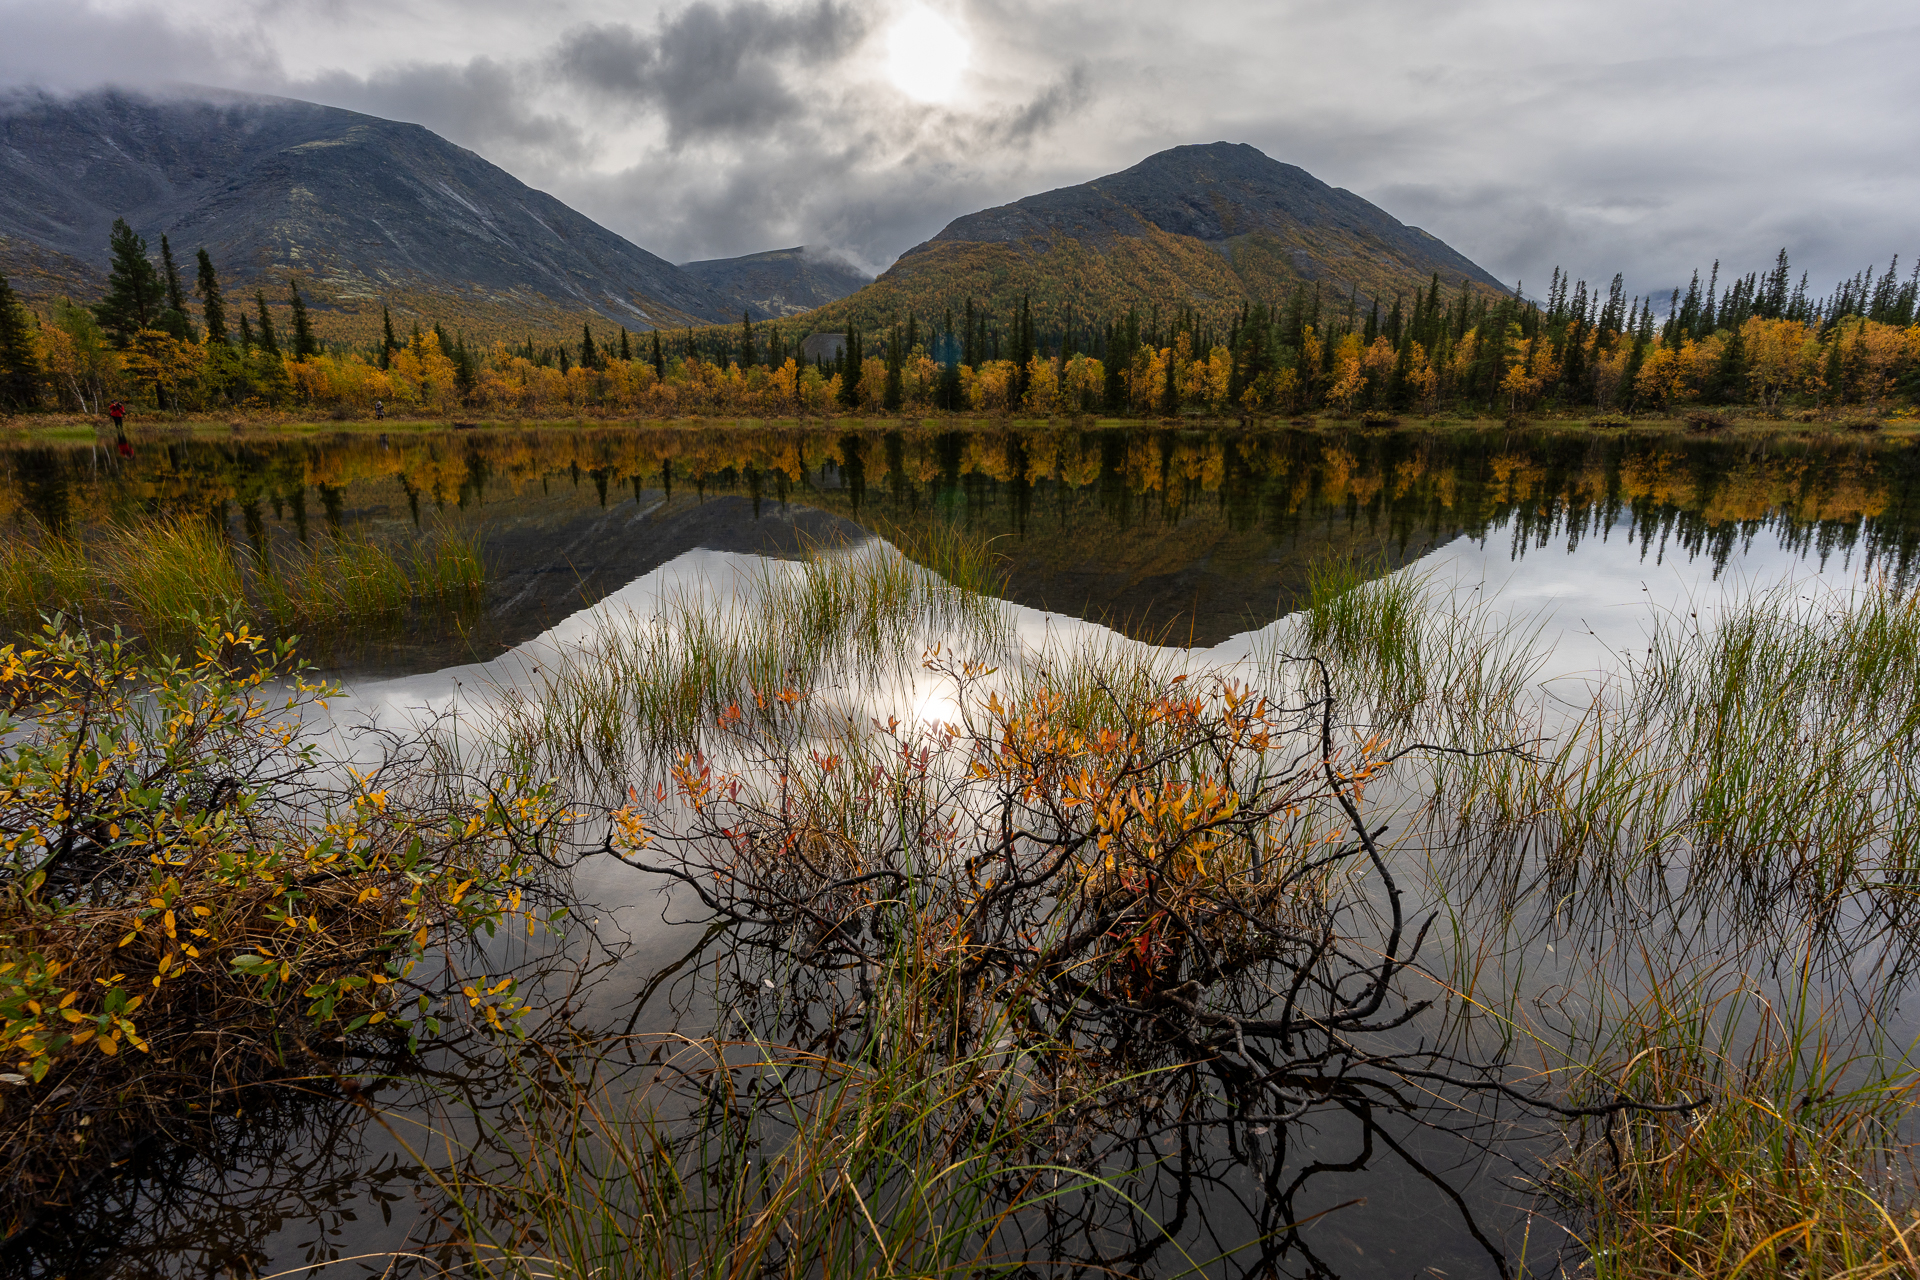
(118, 412)
(379, 411)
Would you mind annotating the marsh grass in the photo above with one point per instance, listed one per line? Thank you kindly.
(900, 1152)
(1767, 755)
(643, 687)
(157, 578)
(1415, 657)
(1795, 1165)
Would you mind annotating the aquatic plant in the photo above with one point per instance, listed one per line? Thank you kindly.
(645, 686)
(1765, 754)
(1795, 1165)
(158, 578)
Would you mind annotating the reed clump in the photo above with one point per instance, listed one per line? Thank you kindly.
(190, 900)
(1792, 1164)
(894, 1155)
(157, 578)
(646, 686)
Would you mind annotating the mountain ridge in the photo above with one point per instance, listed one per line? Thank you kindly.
(361, 208)
(778, 283)
(1206, 226)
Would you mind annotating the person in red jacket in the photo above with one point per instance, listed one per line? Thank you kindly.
(118, 412)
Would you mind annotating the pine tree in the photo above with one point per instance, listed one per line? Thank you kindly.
(268, 342)
(246, 332)
(211, 305)
(589, 356)
(390, 344)
(304, 344)
(659, 357)
(134, 292)
(747, 360)
(626, 346)
(19, 366)
(173, 319)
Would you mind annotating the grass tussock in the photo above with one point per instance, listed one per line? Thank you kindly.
(647, 686)
(155, 579)
(1768, 753)
(896, 1156)
(1794, 1166)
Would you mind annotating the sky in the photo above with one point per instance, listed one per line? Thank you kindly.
(1646, 137)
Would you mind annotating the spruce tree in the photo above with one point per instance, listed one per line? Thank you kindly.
(173, 319)
(134, 291)
(747, 360)
(246, 332)
(589, 356)
(388, 343)
(304, 344)
(626, 346)
(268, 342)
(1170, 395)
(211, 304)
(850, 377)
(895, 392)
(1836, 370)
(659, 358)
(19, 366)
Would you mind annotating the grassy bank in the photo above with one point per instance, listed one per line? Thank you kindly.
(155, 579)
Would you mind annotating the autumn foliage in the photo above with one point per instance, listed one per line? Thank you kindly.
(190, 903)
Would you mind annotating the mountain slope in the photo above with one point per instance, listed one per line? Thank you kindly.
(779, 282)
(363, 209)
(1200, 226)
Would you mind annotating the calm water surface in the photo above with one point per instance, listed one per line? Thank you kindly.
(1198, 540)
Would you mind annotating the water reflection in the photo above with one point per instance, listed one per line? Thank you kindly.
(1195, 536)
(1188, 536)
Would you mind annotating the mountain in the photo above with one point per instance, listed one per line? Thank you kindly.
(1206, 227)
(779, 282)
(364, 210)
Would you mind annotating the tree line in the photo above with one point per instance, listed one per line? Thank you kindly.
(1763, 340)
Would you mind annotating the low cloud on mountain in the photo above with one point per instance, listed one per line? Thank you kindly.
(1634, 135)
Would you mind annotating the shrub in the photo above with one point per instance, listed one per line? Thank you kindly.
(191, 899)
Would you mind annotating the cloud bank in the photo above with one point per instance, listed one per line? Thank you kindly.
(1630, 136)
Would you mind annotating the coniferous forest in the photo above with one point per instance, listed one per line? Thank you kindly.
(1760, 341)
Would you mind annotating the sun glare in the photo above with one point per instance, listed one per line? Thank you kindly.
(926, 55)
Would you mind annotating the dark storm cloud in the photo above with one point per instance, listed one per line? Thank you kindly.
(482, 104)
(1030, 119)
(1631, 135)
(711, 71)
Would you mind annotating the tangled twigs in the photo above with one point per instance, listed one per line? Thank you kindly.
(1175, 870)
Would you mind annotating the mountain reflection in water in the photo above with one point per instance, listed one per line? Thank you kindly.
(1188, 536)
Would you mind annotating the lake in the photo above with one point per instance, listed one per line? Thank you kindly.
(1197, 547)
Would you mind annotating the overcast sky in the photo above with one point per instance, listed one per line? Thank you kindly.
(1644, 136)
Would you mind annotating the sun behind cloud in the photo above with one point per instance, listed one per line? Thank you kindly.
(926, 55)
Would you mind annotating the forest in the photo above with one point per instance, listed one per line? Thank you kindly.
(1761, 342)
